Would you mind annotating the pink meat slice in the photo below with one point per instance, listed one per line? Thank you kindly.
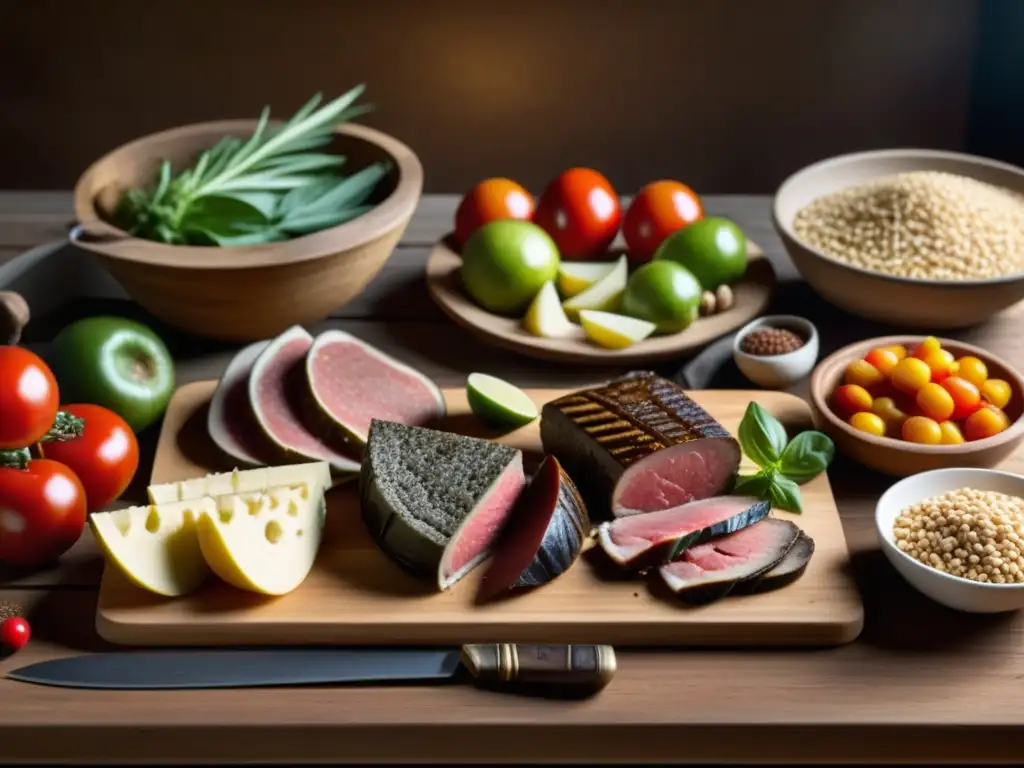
(676, 475)
(472, 542)
(627, 538)
(275, 390)
(355, 384)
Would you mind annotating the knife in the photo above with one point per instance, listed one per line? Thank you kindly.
(558, 670)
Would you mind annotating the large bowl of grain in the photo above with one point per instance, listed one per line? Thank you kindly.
(919, 238)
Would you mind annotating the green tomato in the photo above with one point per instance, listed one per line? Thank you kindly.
(505, 264)
(713, 249)
(664, 293)
(117, 363)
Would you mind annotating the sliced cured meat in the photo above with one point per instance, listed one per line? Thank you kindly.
(641, 443)
(543, 535)
(642, 540)
(351, 382)
(709, 571)
(789, 569)
(435, 501)
(230, 421)
(275, 387)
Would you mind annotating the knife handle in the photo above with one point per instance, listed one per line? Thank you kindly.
(571, 670)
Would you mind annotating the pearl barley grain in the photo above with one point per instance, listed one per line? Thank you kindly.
(973, 534)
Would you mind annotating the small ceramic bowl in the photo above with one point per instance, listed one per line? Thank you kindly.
(900, 458)
(952, 591)
(778, 371)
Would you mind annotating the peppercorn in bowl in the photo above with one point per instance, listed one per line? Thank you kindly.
(920, 238)
(908, 404)
(957, 536)
(776, 351)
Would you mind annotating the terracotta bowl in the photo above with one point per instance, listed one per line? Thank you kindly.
(898, 457)
(244, 293)
(912, 303)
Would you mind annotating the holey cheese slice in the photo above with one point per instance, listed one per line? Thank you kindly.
(264, 542)
(316, 474)
(156, 547)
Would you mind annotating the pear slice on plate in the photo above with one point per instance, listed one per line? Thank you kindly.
(545, 317)
(604, 295)
(614, 331)
(576, 276)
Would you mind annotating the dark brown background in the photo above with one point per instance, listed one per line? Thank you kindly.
(728, 95)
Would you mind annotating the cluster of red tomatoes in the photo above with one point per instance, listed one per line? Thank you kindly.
(581, 212)
(87, 457)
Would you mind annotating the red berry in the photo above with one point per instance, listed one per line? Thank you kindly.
(14, 634)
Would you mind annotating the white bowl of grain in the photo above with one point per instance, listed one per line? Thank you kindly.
(919, 238)
(957, 536)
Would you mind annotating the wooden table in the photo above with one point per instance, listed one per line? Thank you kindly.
(922, 683)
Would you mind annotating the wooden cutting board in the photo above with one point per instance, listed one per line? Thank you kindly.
(356, 595)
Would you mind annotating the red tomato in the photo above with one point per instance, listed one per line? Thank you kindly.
(491, 200)
(42, 512)
(658, 210)
(105, 457)
(580, 210)
(28, 398)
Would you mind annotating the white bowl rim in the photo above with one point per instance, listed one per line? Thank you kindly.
(757, 322)
(889, 543)
(786, 229)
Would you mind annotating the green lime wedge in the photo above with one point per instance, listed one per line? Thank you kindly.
(498, 403)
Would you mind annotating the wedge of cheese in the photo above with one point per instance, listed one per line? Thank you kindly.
(264, 542)
(316, 474)
(156, 547)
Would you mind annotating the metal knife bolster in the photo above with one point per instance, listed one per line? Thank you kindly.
(571, 669)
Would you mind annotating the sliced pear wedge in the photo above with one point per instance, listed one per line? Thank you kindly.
(576, 276)
(604, 295)
(545, 317)
(614, 331)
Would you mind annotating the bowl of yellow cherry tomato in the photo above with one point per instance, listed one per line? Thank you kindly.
(909, 404)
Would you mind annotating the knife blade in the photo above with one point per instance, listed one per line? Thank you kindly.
(567, 670)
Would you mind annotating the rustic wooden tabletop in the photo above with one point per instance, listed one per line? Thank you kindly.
(921, 684)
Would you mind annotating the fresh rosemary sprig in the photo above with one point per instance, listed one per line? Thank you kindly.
(271, 186)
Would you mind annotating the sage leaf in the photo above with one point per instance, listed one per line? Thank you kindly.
(304, 224)
(753, 485)
(761, 436)
(785, 494)
(807, 456)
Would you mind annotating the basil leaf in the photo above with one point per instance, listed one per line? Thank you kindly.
(753, 485)
(761, 436)
(785, 494)
(806, 456)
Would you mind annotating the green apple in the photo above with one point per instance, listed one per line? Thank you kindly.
(546, 318)
(663, 293)
(713, 249)
(604, 295)
(576, 276)
(506, 262)
(117, 363)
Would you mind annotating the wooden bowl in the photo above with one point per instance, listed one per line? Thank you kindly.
(244, 293)
(752, 296)
(913, 303)
(900, 458)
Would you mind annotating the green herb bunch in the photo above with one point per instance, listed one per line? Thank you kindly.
(271, 186)
(784, 464)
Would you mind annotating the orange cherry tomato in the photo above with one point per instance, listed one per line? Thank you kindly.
(851, 398)
(883, 359)
(966, 397)
(580, 210)
(28, 397)
(658, 210)
(997, 392)
(910, 374)
(935, 402)
(868, 422)
(985, 422)
(929, 346)
(863, 374)
(921, 429)
(951, 434)
(897, 349)
(941, 362)
(972, 369)
(491, 200)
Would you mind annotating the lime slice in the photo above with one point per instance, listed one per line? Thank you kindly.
(614, 331)
(545, 317)
(576, 276)
(604, 295)
(497, 402)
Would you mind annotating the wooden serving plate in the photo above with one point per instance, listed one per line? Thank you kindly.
(752, 297)
(356, 595)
